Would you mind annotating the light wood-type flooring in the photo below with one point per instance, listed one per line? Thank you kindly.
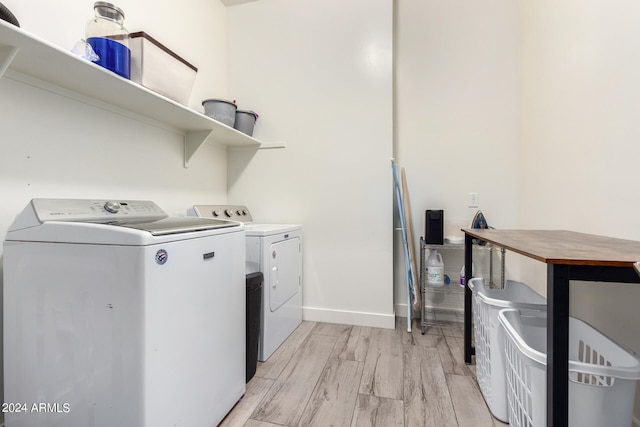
(341, 375)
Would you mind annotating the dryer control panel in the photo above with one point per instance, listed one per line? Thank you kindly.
(233, 212)
(95, 210)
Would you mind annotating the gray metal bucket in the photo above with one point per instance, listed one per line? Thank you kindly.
(221, 110)
(245, 120)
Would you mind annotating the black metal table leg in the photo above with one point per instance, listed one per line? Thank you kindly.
(468, 274)
(557, 345)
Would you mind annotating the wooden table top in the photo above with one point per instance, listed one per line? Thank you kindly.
(563, 247)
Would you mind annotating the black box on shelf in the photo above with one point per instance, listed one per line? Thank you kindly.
(434, 227)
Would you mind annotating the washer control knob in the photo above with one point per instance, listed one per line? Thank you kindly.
(244, 211)
(228, 212)
(112, 207)
(216, 213)
(239, 212)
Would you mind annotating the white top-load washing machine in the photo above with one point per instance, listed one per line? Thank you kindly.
(275, 250)
(117, 315)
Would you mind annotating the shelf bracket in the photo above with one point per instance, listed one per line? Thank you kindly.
(274, 146)
(7, 53)
(192, 141)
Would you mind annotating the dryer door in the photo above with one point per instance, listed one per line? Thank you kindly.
(285, 271)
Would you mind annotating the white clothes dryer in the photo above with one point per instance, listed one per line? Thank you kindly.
(117, 315)
(275, 250)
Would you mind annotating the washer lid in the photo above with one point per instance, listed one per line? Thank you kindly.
(165, 226)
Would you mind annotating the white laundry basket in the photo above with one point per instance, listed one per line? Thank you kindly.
(489, 336)
(601, 373)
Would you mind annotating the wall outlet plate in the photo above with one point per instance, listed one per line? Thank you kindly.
(473, 200)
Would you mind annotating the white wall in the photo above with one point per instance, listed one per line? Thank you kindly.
(319, 75)
(581, 97)
(456, 113)
(54, 146)
(194, 29)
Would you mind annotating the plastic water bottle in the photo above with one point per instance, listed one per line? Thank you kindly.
(435, 269)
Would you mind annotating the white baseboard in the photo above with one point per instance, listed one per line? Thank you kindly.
(374, 320)
(401, 310)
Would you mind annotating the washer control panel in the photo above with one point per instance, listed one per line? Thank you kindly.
(96, 210)
(233, 212)
(112, 207)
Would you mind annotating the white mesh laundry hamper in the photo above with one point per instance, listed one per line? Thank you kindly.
(489, 336)
(602, 375)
